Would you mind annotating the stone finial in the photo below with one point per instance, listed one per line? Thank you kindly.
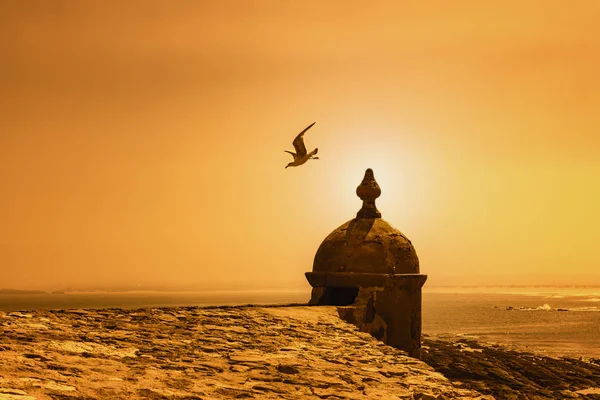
(368, 191)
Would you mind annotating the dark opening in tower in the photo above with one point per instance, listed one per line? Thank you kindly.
(339, 296)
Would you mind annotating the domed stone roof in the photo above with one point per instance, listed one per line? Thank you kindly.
(368, 246)
(367, 243)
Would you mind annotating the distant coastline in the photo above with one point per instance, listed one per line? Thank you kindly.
(21, 291)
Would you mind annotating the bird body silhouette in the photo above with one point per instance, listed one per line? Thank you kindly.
(301, 155)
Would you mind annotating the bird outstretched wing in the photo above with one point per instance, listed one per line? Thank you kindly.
(299, 142)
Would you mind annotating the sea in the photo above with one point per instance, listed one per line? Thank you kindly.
(552, 321)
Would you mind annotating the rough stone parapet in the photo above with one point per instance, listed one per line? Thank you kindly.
(206, 353)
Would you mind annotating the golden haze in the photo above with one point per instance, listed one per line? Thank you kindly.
(142, 142)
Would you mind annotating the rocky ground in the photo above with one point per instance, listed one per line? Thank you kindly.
(206, 353)
(509, 374)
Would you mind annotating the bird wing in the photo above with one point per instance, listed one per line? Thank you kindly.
(299, 142)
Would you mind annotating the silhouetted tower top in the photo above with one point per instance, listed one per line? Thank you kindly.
(367, 243)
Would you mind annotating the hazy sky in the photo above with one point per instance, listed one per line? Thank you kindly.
(141, 142)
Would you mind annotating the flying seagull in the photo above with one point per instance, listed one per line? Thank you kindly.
(301, 156)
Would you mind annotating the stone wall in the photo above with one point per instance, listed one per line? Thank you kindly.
(189, 353)
(392, 316)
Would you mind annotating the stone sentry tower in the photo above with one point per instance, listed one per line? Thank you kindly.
(372, 270)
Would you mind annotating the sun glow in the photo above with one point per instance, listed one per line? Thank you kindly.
(398, 169)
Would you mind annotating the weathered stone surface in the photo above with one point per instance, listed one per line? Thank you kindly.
(393, 316)
(207, 353)
(366, 245)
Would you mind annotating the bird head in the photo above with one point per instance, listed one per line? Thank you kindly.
(289, 165)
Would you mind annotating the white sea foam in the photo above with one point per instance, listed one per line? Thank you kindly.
(545, 307)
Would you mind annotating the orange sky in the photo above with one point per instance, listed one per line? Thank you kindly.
(141, 142)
